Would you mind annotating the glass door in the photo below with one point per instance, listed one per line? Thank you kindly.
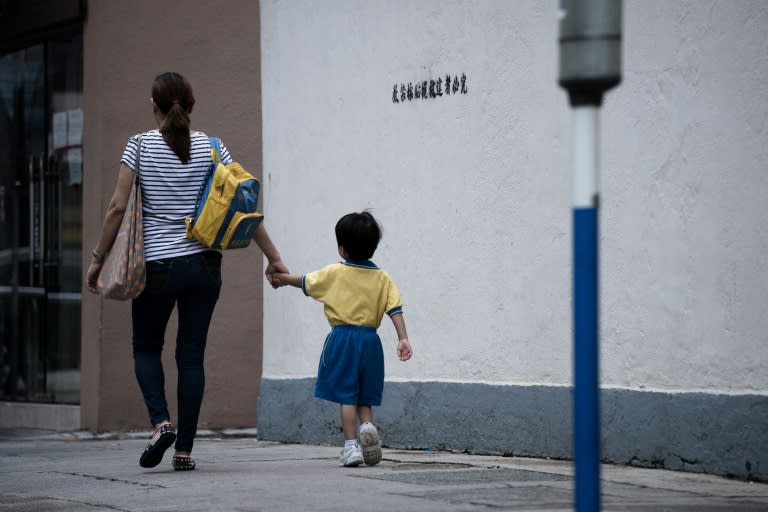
(40, 220)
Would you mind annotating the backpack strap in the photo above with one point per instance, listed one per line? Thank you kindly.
(216, 146)
(216, 157)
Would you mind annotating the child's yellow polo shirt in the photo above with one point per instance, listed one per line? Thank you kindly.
(354, 292)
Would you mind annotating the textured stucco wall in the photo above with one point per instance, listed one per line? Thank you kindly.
(684, 238)
(473, 190)
(474, 194)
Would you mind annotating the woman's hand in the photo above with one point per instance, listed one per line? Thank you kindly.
(92, 276)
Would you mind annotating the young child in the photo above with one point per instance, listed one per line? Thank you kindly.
(356, 295)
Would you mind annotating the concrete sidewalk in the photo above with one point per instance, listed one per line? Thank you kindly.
(40, 471)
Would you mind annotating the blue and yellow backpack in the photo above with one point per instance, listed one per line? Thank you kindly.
(225, 216)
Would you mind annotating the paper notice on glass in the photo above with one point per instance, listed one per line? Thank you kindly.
(59, 130)
(75, 164)
(74, 127)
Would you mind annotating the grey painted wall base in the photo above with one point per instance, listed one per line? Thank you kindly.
(717, 434)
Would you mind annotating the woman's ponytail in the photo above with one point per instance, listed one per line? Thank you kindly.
(173, 96)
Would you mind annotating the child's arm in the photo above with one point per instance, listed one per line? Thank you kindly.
(404, 350)
(287, 279)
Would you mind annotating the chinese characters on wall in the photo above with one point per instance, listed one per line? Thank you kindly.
(428, 89)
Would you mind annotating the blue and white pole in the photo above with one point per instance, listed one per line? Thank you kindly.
(590, 64)
(586, 418)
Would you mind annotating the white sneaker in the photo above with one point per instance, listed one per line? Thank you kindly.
(351, 456)
(369, 440)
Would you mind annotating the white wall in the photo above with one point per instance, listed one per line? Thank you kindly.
(473, 191)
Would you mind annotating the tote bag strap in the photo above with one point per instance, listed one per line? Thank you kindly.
(138, 159)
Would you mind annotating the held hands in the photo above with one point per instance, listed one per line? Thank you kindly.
(404, 350)
(274, 269)
(278, 279)
(283, 279)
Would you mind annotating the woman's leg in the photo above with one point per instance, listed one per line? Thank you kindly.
(149, 315)
(195, 307)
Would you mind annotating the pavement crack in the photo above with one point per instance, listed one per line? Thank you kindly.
(32, 501)
(108, 479)
(433, 463)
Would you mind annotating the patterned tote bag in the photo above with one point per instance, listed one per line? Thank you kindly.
(123, 275)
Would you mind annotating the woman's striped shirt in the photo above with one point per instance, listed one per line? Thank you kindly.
(169, 191)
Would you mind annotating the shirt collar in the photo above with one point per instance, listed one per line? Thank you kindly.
(360, 263)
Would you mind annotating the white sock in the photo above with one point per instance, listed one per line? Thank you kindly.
(349, 442)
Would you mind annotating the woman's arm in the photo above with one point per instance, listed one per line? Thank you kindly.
(275, 265)
(111, 225)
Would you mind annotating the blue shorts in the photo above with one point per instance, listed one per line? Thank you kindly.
(351, 369)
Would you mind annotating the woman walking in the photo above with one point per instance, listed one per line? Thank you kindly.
(181, 273)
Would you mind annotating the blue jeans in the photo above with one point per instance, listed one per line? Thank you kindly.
(192, 284)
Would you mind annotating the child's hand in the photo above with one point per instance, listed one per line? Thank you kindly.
(278, 280)
(404, 350)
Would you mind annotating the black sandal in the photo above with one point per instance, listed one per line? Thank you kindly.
(183, 463)
(153, 453)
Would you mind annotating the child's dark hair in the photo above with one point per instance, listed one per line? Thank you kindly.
(359, 234)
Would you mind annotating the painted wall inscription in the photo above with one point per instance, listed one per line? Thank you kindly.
(430, 89)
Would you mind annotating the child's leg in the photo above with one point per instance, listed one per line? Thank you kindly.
(369, 436)
(351, 455)
(349, 421)
(365, 413)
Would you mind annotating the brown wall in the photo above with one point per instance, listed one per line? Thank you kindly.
(126, 44)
